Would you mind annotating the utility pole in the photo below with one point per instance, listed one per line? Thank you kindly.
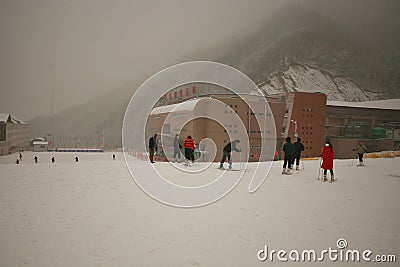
(295, 130)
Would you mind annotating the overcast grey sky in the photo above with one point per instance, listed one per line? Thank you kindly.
(87, 47)
(84, 48)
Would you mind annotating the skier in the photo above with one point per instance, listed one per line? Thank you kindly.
(288, 149)
(113, 156)
(35, 158)
(76, 159)
(152, 147)
(360, 150)
(189, 149)
(20, 156)
(226, 153)
(177, 147)
(298, 147)
(17, 161)
(53, 159)
(327, 163)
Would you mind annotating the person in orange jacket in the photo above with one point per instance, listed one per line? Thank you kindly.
(327, 163)
(189, 148)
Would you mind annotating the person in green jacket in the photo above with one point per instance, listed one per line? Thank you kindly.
(361, 150)
(288, 149)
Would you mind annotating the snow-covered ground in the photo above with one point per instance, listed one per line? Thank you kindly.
(92, 213)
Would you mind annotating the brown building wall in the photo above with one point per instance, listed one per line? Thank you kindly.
(343, 147)
(309, 112)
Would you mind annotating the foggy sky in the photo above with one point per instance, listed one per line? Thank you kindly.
(84, 48)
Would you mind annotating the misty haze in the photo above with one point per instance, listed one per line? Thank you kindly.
(70, 67)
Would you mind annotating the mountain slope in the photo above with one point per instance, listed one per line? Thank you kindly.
(303, 37)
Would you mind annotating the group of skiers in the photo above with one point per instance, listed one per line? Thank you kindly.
(293, 153)
(53, 159)
(189, 150)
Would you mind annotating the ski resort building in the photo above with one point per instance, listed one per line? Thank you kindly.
(296, 114)
(14, 134)
(376, 123)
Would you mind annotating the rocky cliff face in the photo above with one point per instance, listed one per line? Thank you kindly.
(305, 78)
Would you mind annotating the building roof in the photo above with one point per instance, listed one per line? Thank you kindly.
(393, 104)
(188, 105)
(6, 117)
(40, 143)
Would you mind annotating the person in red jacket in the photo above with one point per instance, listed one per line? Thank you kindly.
(327, 163)
(189, 148)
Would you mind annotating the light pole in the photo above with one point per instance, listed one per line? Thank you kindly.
(295, 130)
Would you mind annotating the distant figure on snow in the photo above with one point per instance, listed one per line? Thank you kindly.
(226, 153)
(17, 161)
(288, 149)
(113, 156)
(189, 148)
(327, 163)
(76, 159)
(20, 156)
(35, 158)
(360, 150)
(53, 159)
(298, 148)
(152, 147)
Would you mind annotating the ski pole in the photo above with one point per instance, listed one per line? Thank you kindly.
(319, 168)
(241, 163)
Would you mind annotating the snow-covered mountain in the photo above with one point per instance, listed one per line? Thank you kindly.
(305, 78)
(303, 50)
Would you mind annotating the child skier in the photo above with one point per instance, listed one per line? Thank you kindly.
(327, 163)
(360, 150)
(189, 149)
(288, 149)
(226, 153)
